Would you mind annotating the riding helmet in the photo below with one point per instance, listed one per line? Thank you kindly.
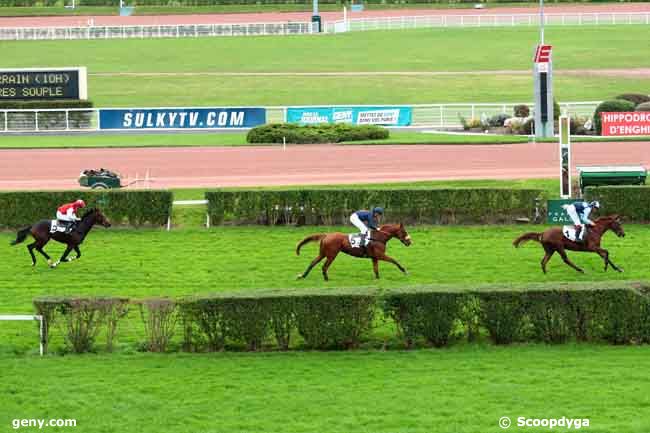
(80, 203)
(378, 210)
(595, 204)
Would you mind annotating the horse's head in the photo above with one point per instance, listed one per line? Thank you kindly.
(97, 216)
(398, 231)
(613, 222)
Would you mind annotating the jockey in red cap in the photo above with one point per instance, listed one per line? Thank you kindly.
(68, 212)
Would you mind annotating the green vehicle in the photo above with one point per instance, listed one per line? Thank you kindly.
(100, 179)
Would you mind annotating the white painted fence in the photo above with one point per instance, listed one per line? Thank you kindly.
(425, 115)
(29, 318)
(155, 31)
(496, 20)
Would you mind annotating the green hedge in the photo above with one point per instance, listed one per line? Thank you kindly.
(631, 202)
(45, 104)
(136, 208)
(615, 313)
(309, 134)
(334, 206)
(615, 105)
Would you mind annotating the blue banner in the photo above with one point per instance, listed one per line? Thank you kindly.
(181, 118)
(386, 116)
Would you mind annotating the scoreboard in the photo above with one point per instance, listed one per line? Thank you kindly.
(43, 83)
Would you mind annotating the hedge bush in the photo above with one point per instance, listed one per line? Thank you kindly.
(334, 206)
(616, 105)
(521, 110)
(615, 313)
(136, 207)
(635, 98)
(45, 104)
(307, 134)
(631, 202)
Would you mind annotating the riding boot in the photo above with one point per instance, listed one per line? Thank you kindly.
(579, 230)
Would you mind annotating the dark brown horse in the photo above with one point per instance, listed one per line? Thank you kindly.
(554, 240)
(333, 243)
(41, 234)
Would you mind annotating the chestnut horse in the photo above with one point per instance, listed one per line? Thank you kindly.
(553, 240)
(333, 243)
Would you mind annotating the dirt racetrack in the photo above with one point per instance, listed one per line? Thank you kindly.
(328, 164)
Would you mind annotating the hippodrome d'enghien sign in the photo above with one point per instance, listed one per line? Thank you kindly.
(43, 83)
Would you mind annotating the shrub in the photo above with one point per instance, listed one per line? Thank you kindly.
(628, 201)
(159, 316)
(551, 316)
(324, 133)
(635, 98)
(556, 110)
(578, 125)
(334, 206)
(643, 107)
(502, 314)
(497, 120)
(428, 314)
(610, 106)
(521, 110)
(137, 207)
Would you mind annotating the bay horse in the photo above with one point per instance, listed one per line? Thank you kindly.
(553, 240)
(333, 243)
(41, 234)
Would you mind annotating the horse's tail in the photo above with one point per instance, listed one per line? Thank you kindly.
(21, 235)
(531, 236)
(312, 238)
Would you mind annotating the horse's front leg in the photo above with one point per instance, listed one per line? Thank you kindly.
(605, 255)
(63, 257)
(375, 266)
(78, 251)
(385, 258)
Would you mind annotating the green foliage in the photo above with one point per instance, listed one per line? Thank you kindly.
(521, 110)
(616, 314)
(556, 110)
(630, 202)
(497, 120)
(334, 206)
(616, 105)
(307, 134)
(635, 98)
(136, 207)
(45, 104)
(643, 107)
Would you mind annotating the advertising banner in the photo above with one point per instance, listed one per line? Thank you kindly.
(556, 214)
(626, 123)
(386, 116)
(181, 118)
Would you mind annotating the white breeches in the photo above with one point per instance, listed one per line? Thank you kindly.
(68, 216)
(354, 219)
(571, 211)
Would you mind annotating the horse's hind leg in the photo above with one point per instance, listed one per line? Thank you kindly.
(567, 261)
(30, 248)
(327, 265)
(39, 247)
(311, 266)
(549, 253)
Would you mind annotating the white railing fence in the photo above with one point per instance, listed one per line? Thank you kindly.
(426, 115)
(155, 31)
(497, 20)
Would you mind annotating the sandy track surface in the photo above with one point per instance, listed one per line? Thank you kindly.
(255, 166)
(70, 21)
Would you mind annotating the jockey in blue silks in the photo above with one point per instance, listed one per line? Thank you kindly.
(579, 213)
(365, 220)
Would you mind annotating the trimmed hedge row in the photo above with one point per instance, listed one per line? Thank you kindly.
(334, 206)
(136, 208)
(631, 202)
(45, 104)
(616, 315)
(616, 105)
(309, 134)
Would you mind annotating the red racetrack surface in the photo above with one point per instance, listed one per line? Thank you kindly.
(330, 164)
(70, 21)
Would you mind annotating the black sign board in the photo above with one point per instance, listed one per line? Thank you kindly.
(40, 84)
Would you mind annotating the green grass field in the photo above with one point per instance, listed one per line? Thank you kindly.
(427, 50)
(458, 390)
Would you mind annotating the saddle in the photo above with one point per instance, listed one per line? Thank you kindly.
(357, 240)
(57, 226)
(571, 234)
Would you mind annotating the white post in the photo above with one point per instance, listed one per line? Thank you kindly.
(565, 156)
(40, 333)
(207, 220)
(284, 143)
(169, 223)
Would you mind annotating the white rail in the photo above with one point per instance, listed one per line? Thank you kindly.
(492, 20)
(424, 115)
(155, 31)
(27, 317)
